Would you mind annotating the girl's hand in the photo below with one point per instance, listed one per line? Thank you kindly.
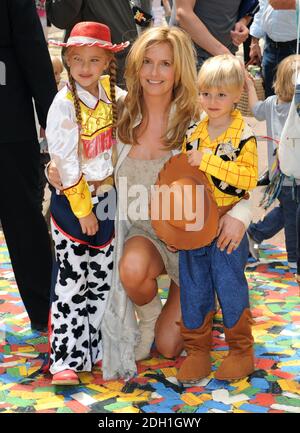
(194, 157)
(89, 224)
(54, 177)
(230, 233)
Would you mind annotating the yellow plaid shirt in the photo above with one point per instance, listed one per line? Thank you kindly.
(241, 172)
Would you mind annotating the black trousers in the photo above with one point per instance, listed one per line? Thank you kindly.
(24, 227)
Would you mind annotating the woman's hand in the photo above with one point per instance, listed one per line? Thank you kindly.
(172, 249)
(255, 53)
(230, 233)
(89, 224)
(54, 177)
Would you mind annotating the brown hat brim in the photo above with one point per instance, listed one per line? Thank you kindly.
(176, 168)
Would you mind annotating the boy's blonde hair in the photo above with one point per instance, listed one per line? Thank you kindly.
(184, 91)
(284, 84)
(223, 71)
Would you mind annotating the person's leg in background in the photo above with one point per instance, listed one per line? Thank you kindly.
(266, 228)
(269, 64)
(25, 229)
(289, 205)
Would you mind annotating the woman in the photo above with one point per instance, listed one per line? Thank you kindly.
(160, 104)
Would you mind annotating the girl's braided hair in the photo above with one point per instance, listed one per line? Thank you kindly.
(76, 99)
(112, 71)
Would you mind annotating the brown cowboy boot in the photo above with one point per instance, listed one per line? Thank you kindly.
(197, 343)
(239, 362)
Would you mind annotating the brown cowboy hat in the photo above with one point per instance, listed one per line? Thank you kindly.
(184, 213)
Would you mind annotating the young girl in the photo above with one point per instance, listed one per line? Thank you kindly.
(275, 110)
(223, 147)
(79, 133)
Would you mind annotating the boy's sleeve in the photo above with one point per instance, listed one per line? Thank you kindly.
(241, 173)
(62, 136)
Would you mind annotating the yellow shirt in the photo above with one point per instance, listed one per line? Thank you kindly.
(229, 161)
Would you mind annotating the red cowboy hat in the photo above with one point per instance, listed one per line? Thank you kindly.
(91, 34)
(168, 217)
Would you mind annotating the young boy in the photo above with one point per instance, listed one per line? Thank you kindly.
(224, 148)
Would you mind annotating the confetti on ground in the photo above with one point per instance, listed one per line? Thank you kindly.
(274, 386)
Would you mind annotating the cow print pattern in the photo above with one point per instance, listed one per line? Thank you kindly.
(81, 291)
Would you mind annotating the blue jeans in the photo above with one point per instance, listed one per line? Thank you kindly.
(283, 216)
(272, 56)
(205, 270)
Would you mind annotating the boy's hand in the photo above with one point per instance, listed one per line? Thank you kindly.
(89, 224)
(194, 157)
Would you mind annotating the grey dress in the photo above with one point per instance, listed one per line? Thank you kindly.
(145, 172)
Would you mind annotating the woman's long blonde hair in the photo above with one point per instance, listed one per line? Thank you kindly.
(284, 84)
(185, 95)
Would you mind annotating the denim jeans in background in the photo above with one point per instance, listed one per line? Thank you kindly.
(283, 216)
(272, 56)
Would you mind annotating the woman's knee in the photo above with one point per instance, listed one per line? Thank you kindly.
(132, 270)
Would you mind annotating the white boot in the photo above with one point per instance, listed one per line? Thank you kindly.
(147, 314)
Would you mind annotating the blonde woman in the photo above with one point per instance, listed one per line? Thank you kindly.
(158, 109)
(161, 103)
